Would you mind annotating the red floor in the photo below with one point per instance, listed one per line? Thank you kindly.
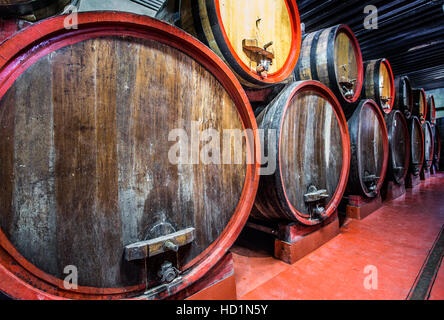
(395, 239)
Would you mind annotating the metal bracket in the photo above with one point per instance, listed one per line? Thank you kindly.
(261, 56)
(370, 182)
(171, 242)
(347, 86)
(385, 101)
(314, 198)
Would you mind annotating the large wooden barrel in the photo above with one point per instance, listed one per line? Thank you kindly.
(420, 104)
(91, 120)
(416, 146)
(333, 57)
(379, 84)
(399, 142)
(429, 145)
(369, 150)
(33, 9)
(431, 110)
(307, 138)
(259, 39)
(437, 147)
(404, 96)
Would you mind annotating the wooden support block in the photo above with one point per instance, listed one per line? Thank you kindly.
(393, 191)
(425, 174)
(412, 181)
(295, 241)
(359, 207)
(218, 284)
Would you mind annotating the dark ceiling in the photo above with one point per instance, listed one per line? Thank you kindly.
(410, 34)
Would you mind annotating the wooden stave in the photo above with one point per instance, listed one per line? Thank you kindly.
(413, 122)
(192, 22)
(372, 71)
(34, 10)
(399, 179)
(437, 147)
(45, 286)
(428, 134)
(329, 67)
(355, 185)
(406, 108)
(431, 110)
(418, 95)
(271, 202)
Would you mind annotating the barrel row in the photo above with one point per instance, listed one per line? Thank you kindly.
(98, 170)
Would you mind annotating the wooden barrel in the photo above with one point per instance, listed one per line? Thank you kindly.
(91, 120)
(260, 40)
(416, 146)
(399, 143)
(429, 145)
(369, 150)
(33, 10)
(308, 140)
(431, 110)
(404, 96)
(420, 104)
(333, 57)
(437, 147)
(379, 84)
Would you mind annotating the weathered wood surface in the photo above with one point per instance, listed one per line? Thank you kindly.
(437, 147)
(429, 145)
(399, 142)
(313, 151)
(417, 146)
(370, 150)
(379, 84)
(403, 96)
(333, 57)
(84, 157)
(270, 26)
(420, 104)
(9, 27)
(431, 110)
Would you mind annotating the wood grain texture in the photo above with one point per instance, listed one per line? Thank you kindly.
(224, 24)
(403, 96)
(428, 145)
(84, 152)
(331, 57)
(370, 150)
(312, 150)
(399, 140)
(379, 84)
(417, 146)
(263, 20)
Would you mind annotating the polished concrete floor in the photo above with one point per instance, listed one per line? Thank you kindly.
(380, 257)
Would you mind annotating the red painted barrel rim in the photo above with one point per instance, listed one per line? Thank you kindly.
(385, 143)
(357, 50)
(26, 47)
(328, 95)
(392, 85)
(295, 47)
